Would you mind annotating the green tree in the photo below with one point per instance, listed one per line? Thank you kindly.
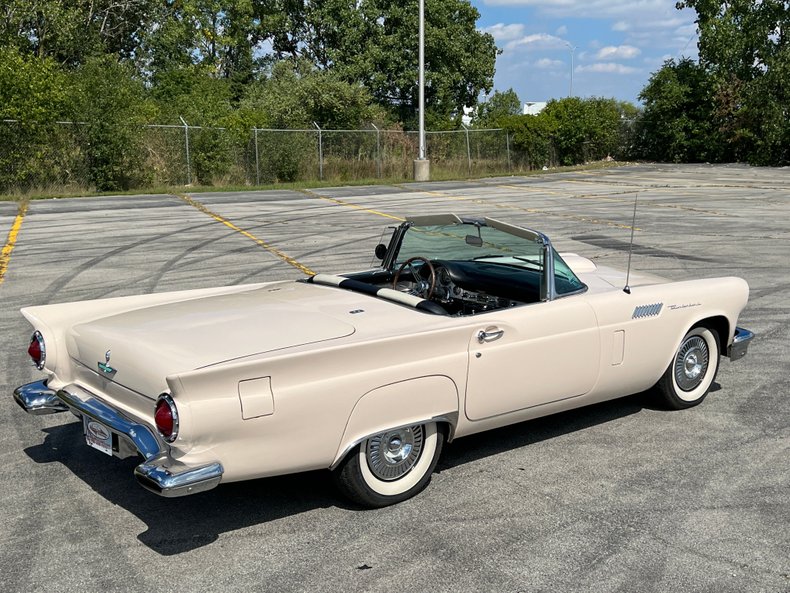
(677, 124)
(744, 46)
(70, 32)
(500, 105)
(33, 95)
(110, 100)
(374, 43)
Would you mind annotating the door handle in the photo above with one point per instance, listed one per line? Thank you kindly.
(489, 334)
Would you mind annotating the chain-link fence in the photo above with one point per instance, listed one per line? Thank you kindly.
(80, 156)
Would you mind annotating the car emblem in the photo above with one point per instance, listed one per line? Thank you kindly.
(105, 367)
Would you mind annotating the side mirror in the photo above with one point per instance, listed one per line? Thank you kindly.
(381, 251)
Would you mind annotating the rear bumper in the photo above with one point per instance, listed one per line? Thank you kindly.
(159, 473)
(740, 343)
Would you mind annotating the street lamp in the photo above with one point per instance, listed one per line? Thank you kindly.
(573, 49)
(422, 165)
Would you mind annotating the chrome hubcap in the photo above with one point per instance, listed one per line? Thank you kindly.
(691, 363)
(392, 454)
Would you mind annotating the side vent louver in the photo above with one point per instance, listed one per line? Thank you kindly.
(647, 310)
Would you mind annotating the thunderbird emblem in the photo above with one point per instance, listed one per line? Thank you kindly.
(105, 367)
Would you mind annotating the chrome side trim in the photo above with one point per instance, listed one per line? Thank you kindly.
(167, 477)
(740, 343)
(38, 399)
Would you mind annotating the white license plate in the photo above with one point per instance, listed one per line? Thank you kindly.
(97, 435)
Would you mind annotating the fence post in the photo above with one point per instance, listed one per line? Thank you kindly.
(186, 142)
(378, 149)
(468, 149)
(320, 153)
(257, 163)
(507, 143)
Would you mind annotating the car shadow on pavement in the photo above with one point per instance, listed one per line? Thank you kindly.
(176, 525)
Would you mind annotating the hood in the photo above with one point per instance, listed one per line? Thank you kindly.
(605, 278)
(145, 345)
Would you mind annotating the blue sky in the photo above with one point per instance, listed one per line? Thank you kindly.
(618, 44)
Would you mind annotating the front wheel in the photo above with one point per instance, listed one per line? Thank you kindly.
(689, 376)
(391, 466)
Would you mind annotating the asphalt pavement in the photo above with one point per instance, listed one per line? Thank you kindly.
(622, 496)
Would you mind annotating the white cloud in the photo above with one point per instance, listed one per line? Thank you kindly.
(561, 31)
(537, 41)
(620, 52)
(607, 68)
(621, 26)
(591, 8)
(503, 32)
(547, 64)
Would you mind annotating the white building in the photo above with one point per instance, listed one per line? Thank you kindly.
(534, 107)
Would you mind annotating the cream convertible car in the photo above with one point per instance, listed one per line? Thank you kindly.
(467, 325)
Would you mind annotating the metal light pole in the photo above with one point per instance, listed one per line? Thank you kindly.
(573, 49)
(422, 165)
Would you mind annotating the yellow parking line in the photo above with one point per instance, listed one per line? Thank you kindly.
(5, 256)
(532, 210)
(352, 205)
(270, 248)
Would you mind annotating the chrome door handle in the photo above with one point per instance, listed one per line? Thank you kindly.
(489, 334)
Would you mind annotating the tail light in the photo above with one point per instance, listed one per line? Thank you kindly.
(166, 417)
(37, 350)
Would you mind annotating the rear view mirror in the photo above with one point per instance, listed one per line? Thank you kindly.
(381, 251)
(474, 241)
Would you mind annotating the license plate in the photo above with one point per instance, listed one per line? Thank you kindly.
(97, 435)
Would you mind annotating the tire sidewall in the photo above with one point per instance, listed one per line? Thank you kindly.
(357, 482)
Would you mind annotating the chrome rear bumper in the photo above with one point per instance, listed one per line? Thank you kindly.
(740, 343)
(159, 473)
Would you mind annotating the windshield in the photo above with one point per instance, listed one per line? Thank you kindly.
(482, 243)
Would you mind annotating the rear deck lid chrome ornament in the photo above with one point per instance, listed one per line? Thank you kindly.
(104, 367)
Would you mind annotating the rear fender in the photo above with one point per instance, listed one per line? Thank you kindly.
(405, 403)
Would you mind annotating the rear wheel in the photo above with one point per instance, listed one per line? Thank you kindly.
(391, 466)
(689, 376)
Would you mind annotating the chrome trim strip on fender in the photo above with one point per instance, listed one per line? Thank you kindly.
(451, 419)
(740, 343)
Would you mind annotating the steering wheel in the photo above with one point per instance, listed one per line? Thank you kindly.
(423, 286)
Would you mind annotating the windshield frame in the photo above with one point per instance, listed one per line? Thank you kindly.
(548, 284)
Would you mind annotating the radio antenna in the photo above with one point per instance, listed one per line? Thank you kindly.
(627, 289)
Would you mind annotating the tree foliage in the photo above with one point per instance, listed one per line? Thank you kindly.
(570, 131)
(737, 96)
(676, 125)
(492, 112)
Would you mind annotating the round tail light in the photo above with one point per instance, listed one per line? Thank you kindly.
(166, 417)
(37, 350)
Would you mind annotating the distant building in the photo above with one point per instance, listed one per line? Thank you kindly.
(534, 107)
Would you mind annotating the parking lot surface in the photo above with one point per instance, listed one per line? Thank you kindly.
(621, 496)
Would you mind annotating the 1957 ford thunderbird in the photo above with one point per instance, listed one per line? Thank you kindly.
(467, 325)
